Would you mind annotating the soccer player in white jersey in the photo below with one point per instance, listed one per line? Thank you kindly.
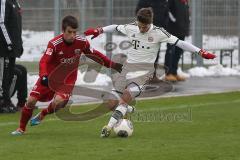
(146, 39)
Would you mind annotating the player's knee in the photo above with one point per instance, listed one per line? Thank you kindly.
(133, 90)
(59, 103)
(31, 102)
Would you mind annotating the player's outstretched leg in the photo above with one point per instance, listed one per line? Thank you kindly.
(119, 113)
(106, 130)
(36, 120)
(26, 114)
(116, 116)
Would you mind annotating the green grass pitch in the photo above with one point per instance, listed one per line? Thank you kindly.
(205, 127)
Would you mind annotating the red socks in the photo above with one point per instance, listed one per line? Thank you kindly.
(26, 114)
(48, 110)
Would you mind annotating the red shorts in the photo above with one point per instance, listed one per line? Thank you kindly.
(45, 94)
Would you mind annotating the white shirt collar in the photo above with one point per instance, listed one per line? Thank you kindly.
(151, 27)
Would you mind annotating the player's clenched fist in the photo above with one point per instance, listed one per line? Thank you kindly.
(93, 31)
(206, 55)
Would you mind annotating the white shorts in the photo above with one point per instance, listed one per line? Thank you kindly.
(138, 74)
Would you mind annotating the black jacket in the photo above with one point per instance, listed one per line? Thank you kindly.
(160, 10)
(180, 12)
(10, 29)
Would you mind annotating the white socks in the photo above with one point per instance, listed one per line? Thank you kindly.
(118, 114)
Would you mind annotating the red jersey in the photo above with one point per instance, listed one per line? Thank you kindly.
(60, 53)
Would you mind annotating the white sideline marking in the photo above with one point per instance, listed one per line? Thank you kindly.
(7, 124)
(16, 123)
(152, 109)
(192, 106)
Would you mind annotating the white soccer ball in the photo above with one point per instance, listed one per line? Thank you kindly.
(124, 128)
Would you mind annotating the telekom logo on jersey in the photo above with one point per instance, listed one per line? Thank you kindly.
(65, 60)
(68, 60)
(136, 44)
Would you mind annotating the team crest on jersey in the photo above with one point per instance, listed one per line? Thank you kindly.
(133, 35)
(150, 39)
(77, 51)
(49, 51)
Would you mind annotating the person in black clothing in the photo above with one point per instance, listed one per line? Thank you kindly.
(19, 85)
(10, 47)
(179, 26)
(160, 11)
(160, 19)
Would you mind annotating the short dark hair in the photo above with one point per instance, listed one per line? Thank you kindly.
(145, 15)
(69, 21)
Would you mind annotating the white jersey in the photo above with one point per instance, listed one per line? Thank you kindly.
(145, 46)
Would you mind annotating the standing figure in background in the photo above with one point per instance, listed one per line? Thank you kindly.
(10, 48)
(178, 25)
(19, 86)
(160, 19)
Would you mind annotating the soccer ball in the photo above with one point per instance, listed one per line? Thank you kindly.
(124, 128)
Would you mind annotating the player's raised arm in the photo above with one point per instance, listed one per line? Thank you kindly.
(97, 31)
(191, 48)
(171, 39)
(100, 58)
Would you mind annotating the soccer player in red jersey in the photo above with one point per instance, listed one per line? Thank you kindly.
(62, 54)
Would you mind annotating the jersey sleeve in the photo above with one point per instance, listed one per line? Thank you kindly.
(122, 29)
(46, 59)
(97, 56)
(172, 39)
(3, 27)
(166, 37)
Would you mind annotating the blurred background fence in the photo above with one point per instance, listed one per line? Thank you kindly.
(211, 19)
